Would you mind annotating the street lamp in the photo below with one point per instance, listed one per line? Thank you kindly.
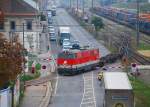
(77, 5)
(137, 23)
(92, 4)
(70, 4)
(83, 6)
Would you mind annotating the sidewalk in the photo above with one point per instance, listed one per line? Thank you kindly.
(33, 96)
(37, 95)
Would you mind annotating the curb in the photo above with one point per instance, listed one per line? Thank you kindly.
(46, 99)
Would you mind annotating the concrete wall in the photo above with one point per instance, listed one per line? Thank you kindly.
(6, 95)
(5, 98)
(113, 97)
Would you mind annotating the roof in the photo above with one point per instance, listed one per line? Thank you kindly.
(33, 4)
(116, 81)
(64, 30)
(17, 8)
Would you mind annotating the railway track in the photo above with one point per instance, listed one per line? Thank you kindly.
(134, 55)
(137, 57)
(140, 59)
(144, 38)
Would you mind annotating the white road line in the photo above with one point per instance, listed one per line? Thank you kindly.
(88, 98)
(93, 89)
(91, 102)
(56, 85)
(88, 95)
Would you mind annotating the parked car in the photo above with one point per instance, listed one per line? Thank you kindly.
(75, 45)
(50, 21)
(66, 48)
(52, 34)
(66, 42)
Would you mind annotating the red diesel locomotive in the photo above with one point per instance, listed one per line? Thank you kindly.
(77, 61)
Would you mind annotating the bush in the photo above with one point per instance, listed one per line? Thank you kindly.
(30, 77)
(98, 23)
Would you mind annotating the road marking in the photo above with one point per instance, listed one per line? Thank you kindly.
(88, 95)
(56, 85)
(91, 102)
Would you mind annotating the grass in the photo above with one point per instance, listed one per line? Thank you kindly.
(141, 91)
(30, 77)
(143, 46)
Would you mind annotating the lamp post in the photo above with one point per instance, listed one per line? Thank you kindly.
(92, 4)
(77, 6)
(70, 3)
(83, 6)
(137, 23)
(23, 56)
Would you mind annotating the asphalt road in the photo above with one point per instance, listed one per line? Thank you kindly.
(82, 90)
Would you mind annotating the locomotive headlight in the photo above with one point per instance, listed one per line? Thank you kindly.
(65, 62)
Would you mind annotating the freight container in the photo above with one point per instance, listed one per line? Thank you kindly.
(118, 90)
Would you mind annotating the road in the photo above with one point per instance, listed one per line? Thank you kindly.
(81, 90)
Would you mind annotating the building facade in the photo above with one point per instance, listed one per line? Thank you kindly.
(18, 17)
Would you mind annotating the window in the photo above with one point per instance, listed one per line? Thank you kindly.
(66, 55)
(12, 25)
(1, 26)
(29, 25)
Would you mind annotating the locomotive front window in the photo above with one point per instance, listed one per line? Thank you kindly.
(66, 55)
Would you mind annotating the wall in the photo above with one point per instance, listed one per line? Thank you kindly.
(5, 98)
(6, 95)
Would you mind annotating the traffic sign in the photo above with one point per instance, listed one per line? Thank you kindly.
(43, 67)
(134, 67)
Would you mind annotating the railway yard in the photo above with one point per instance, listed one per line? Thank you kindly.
(81, 53)
(113, 34)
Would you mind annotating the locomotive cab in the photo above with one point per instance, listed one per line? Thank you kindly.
(77, 61)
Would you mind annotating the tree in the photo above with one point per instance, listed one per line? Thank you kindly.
(98, 23)
(11, 59)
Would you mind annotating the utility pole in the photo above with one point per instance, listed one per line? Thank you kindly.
(137, 23)
(92, 4)
(83, 6)
(70, 4)
(77, 6)
(23, 34)
(23, 57)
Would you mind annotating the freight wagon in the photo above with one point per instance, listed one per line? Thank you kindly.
(125, 17)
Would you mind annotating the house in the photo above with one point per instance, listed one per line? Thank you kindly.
(19, 17)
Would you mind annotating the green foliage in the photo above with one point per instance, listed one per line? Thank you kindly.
(141, 91)
(11, 59)
(38, 66)
(30, 76)
(43, 17)
(30, 63)
(144, 46)
(98, 23)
